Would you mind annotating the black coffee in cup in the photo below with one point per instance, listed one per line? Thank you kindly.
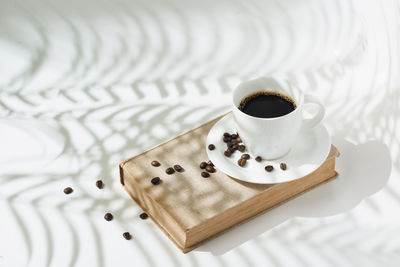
(267, 104)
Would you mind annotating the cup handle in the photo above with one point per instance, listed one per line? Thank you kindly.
(310, 123)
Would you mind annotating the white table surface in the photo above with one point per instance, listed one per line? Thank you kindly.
(87, 84)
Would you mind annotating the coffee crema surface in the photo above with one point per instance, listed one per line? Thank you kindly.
(267, 104)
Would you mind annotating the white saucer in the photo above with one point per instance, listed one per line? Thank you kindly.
(308, 153)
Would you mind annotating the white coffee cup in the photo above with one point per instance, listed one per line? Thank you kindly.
(272, 138)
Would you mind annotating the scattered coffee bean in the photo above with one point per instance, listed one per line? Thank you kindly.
(169, 171)
(269, 168)
(241, 162)
(234, 142)
(210, 168)
(108, 216)
(227, 135)
(210, 163)
(258, 158)
(155, 163)
(203, 165)
(156, 180)
(205, 174)
(283, 166)
(245, 156)
(211, 146)
(242, 148)
(226, 139)
(230, 144)
(127, 235)
(178, 168)
(68, 190)
(239, 140)
(234, 136)
(99, 184)
(236, 146)
(227, 153)
(143, 216)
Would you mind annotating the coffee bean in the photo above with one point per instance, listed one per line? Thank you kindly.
(178, 168)
(203, 165)
(231, 149)
(108, 216)
(127, 235)
(236, 146)
(156, 180)
(210, 163)
(211, 146)
(205, 174)
(245, 156)
(68, 190)
(226, 139)
(227, 153)
(241, 162)
(230, 145)
(155, 163)
(210, 168)
(143, 216)
(283, 166)
(234, 136)
(234, 142)
(242, 148)
(99, 184)
(239, 140)
(169, 171)
(227, 135)
(269, 168)
(258, 158)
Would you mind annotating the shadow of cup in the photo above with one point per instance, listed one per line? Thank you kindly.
(363, 170)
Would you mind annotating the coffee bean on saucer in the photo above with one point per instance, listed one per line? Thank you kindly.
(269, 168)
(178, 168)
(143, 216)
(156, 180)
(245, 156)
(231, 149)
(234, 136)
(211, 146)
(155, 163)
(227, 153)
(108, 216)
(242, 148)
(205, 174)
(169, 171)
(210, 168)
(239, 140)
(241, 162)
(234, 141)
(236, 146)
(227, 135)
(127, 235)
(68, 190)
(230, 144)
(258, 159)
(203, 165)
(210, 163)
(226, 139)
(99, 184)
(283, 166)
